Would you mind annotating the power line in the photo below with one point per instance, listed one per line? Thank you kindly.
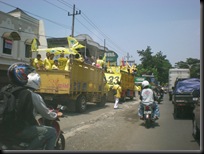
(61, 25)
(94, 26)
(65, 26)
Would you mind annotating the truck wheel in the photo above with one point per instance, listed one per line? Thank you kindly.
(175, 112)
(81, 104)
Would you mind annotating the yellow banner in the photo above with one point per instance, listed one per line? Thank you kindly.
(112, 78)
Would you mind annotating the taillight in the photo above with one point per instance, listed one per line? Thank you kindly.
(147, 108)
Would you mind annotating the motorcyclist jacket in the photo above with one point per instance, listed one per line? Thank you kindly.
(41, 108)
(29, 104)
(147, 96)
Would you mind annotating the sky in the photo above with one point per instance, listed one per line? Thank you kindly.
(123, 26)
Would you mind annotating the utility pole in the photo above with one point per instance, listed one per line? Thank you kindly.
(128, 56)
(104, 45)
(129, 61)
(73, 17)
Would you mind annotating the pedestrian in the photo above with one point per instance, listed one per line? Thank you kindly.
(117, 96)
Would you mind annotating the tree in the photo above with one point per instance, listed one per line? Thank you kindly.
(191, 63)
(157, 64)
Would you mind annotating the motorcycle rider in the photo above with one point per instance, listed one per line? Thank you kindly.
(26, 126)
(147, 96)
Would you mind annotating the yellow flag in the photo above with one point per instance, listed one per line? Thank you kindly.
(79, 46)
(72, 42)
(34, 45)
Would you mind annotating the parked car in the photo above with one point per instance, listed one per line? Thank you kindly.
(196, 115)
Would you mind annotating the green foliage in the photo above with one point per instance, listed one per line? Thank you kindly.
(191, 63)
(156, 64)
(159, 65)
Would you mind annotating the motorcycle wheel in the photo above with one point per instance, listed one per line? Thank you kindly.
(60, 145)
(148, 123)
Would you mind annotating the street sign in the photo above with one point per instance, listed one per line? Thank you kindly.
(111, 56)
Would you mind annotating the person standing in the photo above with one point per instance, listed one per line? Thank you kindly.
(99, 62)
(117, 96)
(38, 63)
(47, 62)
(55, 65)
(62, 62)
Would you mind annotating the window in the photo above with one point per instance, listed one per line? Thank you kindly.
(28, 53)
(7, 46)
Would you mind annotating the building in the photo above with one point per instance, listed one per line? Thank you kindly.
(92, 48)
(17, 30)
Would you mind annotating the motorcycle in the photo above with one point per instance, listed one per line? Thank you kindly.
(148, 115)
(159, 96)
(14, 143)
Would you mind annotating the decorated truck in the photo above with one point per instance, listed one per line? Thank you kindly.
(126, 79)
(81, 84)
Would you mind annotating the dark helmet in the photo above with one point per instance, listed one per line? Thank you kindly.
(18, 73)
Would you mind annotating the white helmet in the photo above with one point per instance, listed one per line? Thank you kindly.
(34, 81)
(145, 83)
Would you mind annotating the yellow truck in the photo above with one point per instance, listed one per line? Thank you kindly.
(126, 79)
(82, 83)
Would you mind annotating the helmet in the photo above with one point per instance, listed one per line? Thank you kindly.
(145, 83)
(33, 81)
(18, 73)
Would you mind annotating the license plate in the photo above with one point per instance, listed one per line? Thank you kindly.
(147, 112)
(180, 101)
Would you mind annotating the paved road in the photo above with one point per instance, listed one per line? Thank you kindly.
(106, 129)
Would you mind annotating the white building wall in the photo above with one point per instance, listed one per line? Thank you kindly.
(28, 28)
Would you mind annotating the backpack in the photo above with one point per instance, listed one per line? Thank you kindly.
(8, 103)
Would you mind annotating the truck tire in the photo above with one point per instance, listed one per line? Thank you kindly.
(176, 113)
(102, 102)
(81, 104)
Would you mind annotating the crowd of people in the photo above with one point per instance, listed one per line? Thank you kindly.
(50, 62)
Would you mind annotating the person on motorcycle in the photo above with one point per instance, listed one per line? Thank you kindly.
(30, 103)
(147, 96)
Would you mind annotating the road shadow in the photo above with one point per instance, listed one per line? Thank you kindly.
(183, 117)
(89, 108)
(153, 124)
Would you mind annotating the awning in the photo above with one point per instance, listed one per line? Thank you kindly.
(29, 41)
(12, 35)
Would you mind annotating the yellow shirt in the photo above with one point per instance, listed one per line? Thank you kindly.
(40, 63)
(54, 67)
(51, 62)
(118, 89)
(67, 68)
(62, 63)
(100, 62)
(47, 64)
